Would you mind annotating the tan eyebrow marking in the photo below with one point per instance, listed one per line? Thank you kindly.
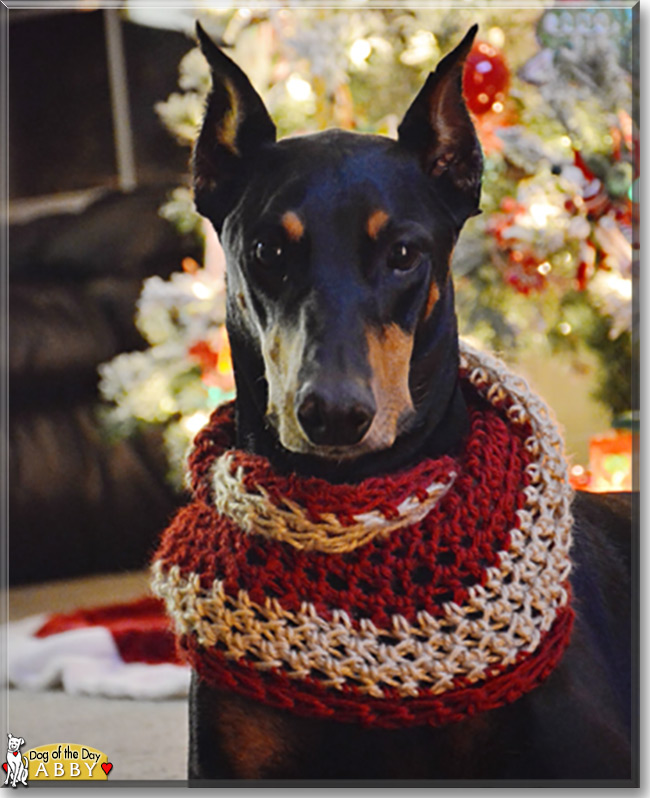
(376, 221)
(293, 226)
(434, 296)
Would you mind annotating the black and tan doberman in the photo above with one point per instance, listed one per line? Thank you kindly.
(344, 339)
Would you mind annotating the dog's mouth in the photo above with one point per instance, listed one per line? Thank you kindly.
(335, 454)
(293, 438)
(380, 435)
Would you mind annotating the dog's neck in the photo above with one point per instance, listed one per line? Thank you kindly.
(442, 427)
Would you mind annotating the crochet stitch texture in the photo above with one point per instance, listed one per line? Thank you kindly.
(416, 597)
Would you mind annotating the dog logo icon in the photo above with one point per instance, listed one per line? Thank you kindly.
(16, 764)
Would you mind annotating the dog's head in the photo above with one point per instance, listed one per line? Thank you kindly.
(14, 742)
(338, 247)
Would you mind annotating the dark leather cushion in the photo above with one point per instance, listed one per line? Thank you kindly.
(79, 502)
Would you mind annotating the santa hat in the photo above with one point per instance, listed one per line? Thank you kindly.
(122, 650)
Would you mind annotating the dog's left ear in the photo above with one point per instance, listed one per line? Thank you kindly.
(438, 129)
(236, 124)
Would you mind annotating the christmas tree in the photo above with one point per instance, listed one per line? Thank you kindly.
(548, 265)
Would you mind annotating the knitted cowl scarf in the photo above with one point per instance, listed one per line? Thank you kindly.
(418, 597)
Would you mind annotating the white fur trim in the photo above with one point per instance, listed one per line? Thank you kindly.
(85, 661)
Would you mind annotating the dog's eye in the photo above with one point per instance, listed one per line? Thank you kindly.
(403, 257)
(268, 254)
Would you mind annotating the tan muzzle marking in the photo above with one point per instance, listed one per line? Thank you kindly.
(283, 352)
(432, 298)
(389, 356)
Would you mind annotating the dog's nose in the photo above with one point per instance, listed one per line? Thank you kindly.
(335, 416)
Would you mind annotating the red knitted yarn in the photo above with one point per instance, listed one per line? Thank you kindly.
(416, 568)
(310, 699)
(317, 496)
(402, 627)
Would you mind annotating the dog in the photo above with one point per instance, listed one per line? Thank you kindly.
(17, 766)
(340, 314)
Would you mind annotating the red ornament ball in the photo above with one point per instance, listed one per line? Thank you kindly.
(485, 79)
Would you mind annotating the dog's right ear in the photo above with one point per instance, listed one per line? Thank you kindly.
(235, 125)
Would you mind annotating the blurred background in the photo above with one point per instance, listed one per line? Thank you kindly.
(118, 349)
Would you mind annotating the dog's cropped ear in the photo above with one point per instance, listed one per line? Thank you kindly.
(438, 129)
(235, 125)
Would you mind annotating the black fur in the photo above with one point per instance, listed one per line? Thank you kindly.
(578, 725)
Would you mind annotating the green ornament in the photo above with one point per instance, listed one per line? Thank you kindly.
(615, 463)
(619, 179)
(217, 397)
(634, 187)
